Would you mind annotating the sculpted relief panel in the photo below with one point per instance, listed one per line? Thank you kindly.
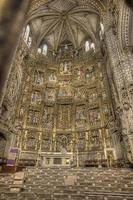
(65, 89)
(31, 141)
(50, 94)
(63, 143)
(95, 140)
(46, 141)
(90, 74)
(64, 117)
(33, 118)
(65, 68)
(52, 77)
(38, 78)
(79, 74)
(81, 141)
(94, 117)
(36, 98)
(80, 120)
(92, 96)
(79, 93)
(48, 117)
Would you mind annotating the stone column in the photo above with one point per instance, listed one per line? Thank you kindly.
(12, 14)
(122, 73)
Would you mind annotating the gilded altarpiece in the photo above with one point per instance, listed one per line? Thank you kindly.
(65, 107)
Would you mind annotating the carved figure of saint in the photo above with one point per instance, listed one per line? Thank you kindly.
(35, 97)
(39, 78)
(65, 67)
(61, 68)
(51, 95)
(33, 119)
(82, 115)
(52, 78)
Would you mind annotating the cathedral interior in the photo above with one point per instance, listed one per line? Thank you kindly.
(66, 100)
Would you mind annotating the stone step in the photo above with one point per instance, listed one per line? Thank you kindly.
(82, 184)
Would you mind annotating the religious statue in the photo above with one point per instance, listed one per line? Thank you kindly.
(94, 116)
(63, 143)
(81, 144)
(45, 144)
(38, 78)
(95, 139)
(26, 89)
(90, 74)
(24, 99)
(110, 158)
(92, 97)
(50, 95)
(65, 89)
(104, 95)
(65, 68)
(61, 68)
(48, 118)
(33, 118)
(52, 78)
(31, 143)
(21, 113)
(35, 97)
(106, 111)
(80, 117)
(79, 74)
(79, 93)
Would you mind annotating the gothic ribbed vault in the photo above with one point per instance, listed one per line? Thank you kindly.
(61, 20)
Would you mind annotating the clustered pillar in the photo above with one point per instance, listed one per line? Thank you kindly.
(11, 23)
(121, 67)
